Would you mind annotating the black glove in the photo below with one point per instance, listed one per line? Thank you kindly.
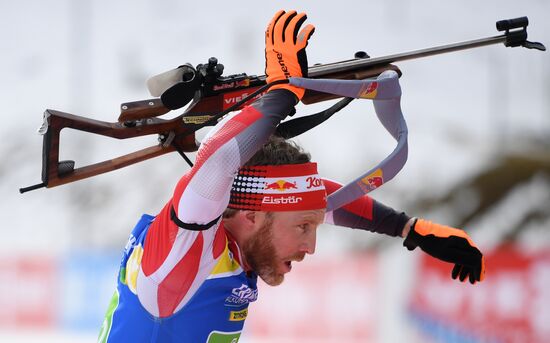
(450, 245)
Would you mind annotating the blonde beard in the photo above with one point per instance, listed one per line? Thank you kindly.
(271, 277)
(259, 252)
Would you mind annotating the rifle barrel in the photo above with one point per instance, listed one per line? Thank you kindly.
(349, 65)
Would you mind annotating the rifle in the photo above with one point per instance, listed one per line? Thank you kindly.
(212, 96)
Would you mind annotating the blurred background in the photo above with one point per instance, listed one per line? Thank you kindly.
(479, 159)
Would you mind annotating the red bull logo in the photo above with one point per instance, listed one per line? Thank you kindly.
(370, 92)
(281, 185)
(233, 84)
(374, 180)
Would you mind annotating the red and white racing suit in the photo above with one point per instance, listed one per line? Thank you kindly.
(185, 282)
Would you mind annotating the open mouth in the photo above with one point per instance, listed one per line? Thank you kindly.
(288, 265)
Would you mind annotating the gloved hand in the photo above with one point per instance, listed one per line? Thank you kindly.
(285, 49)
(449, 245)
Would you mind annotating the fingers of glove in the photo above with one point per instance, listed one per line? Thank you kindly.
(456, 271)
(464, 273)
(269, 32)
(460, 272)
(280, 26)
(478, 273)
(291, 31)
(474, 277)
(304, 35)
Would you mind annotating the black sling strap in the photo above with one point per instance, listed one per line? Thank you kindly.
(192, 227)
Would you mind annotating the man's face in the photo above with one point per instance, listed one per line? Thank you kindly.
(282, 238)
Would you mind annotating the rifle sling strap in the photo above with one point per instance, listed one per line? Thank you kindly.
(192, 227)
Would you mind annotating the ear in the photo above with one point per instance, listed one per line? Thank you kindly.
(254, 218)
(250, 217)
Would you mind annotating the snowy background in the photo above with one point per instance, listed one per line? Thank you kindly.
(469, 113)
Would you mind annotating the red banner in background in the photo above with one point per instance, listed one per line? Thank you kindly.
(26, 288)
(512, 304)
(323, 299)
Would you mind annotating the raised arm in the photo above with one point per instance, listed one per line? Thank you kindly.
(184, 237)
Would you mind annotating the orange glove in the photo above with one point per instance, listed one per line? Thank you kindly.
(285, 49)
(450, 245)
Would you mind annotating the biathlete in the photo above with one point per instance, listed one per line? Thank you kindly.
(249, 207)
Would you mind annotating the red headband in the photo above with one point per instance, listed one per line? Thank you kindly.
(288, 187)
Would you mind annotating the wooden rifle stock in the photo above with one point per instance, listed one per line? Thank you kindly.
(139, 118)
(55, 172)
